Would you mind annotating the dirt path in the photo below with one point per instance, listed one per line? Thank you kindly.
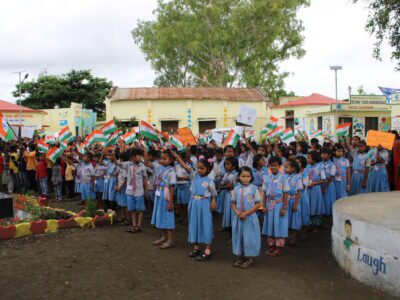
(108, 263)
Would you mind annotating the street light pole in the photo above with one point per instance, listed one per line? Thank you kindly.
(336, 68)
(20, 97)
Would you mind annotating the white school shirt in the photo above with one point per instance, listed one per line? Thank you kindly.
(140, 175)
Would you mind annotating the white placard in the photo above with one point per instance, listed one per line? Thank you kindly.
(217, 137)
(247, 115)
(27, 132)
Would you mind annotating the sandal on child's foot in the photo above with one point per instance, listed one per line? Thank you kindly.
(131, 229)
(270, 251)
(159, 241)
(204, 257)
(247, 263)
(167, 245)
(194, 253)
(238, 262)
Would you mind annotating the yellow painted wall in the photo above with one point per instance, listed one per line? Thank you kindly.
(156, 111)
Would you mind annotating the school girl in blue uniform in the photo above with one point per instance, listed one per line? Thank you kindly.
(328, 188)
(163, 211)
(202, 202)
(377, 176)
(316, 179)
(86, 176)
(276, 223)
(228, 182)
(359, 177)
(99, 172)
(342, 178)
(121, 188)
(259, 171)
(183, 190)
(110, 183)
(246, 200)
(305, 200)
(292, 189)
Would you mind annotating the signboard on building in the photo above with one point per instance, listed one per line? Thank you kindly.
(368, 100)
(360, 107)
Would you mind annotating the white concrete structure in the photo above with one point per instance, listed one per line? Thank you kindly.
(366, 239)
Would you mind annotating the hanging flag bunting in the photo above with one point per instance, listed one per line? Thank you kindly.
(342, 130)
(54, 153)
(288, 136)
(43, 146)
(148, 131)
(109, 127)
(232, 138)
(129, 136)
(6, 132)
(273, 123)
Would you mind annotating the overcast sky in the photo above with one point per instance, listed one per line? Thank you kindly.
(95, 34)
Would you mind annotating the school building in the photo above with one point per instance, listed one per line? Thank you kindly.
(80, 121)
(317, 112)
(197, 108)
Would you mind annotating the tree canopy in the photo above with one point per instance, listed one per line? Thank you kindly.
(384, 22)
(80, 86)
(222, 43)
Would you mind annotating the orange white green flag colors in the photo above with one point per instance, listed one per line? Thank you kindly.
(65, 135)
(6, 132)
(50, 139)
(54, 153)
(148, 131)
(94, 137)
(43, 146)
(272, 123)
(232, 138)
(288, 136)
(316, 134)
(177, 142)
(113, 139)
(129, 136)
(343, 130)
(109, 127)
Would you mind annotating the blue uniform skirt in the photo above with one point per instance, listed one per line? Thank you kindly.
(341, 189)
(246, 239)
(87, 191)
(378, 180)
(305, 209)
(200, 221)
(99, 185)
(221, 202)
(183, 194)
(109, 192)
(356, 184)
(77, 187)
(121, 197)
(227, 218)
(316, 201)
(329, 198)
(162, 218)
(294, 218)
(275, 225)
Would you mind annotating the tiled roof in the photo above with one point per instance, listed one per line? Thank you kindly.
(8, 106)
(313, 99)
(172, 93)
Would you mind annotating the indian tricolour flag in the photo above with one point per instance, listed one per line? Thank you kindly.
(232, 138)
(129, 136)
(65, 135)
(43, 146)
(288, 136)
(109, 127)
(50, 139)
(94, 137)
(113, 139)
(272, 123)
(6, 132)
(54, 153)
(177, 142)
(316, 134)
(264, 131)
(342, 130)
(82, 148)
(40, 132)
(203, 139)
(148, 131)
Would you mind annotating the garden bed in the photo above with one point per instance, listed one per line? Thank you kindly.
(34, 217)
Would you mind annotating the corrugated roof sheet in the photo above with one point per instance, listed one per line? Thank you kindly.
(8, 106)
(172, 93)
(313, 99)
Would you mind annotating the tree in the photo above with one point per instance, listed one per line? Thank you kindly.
(384, 22)
(126, 125)
(48, 91)
(222, 43)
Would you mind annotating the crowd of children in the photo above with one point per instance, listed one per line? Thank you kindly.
(275, 190)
